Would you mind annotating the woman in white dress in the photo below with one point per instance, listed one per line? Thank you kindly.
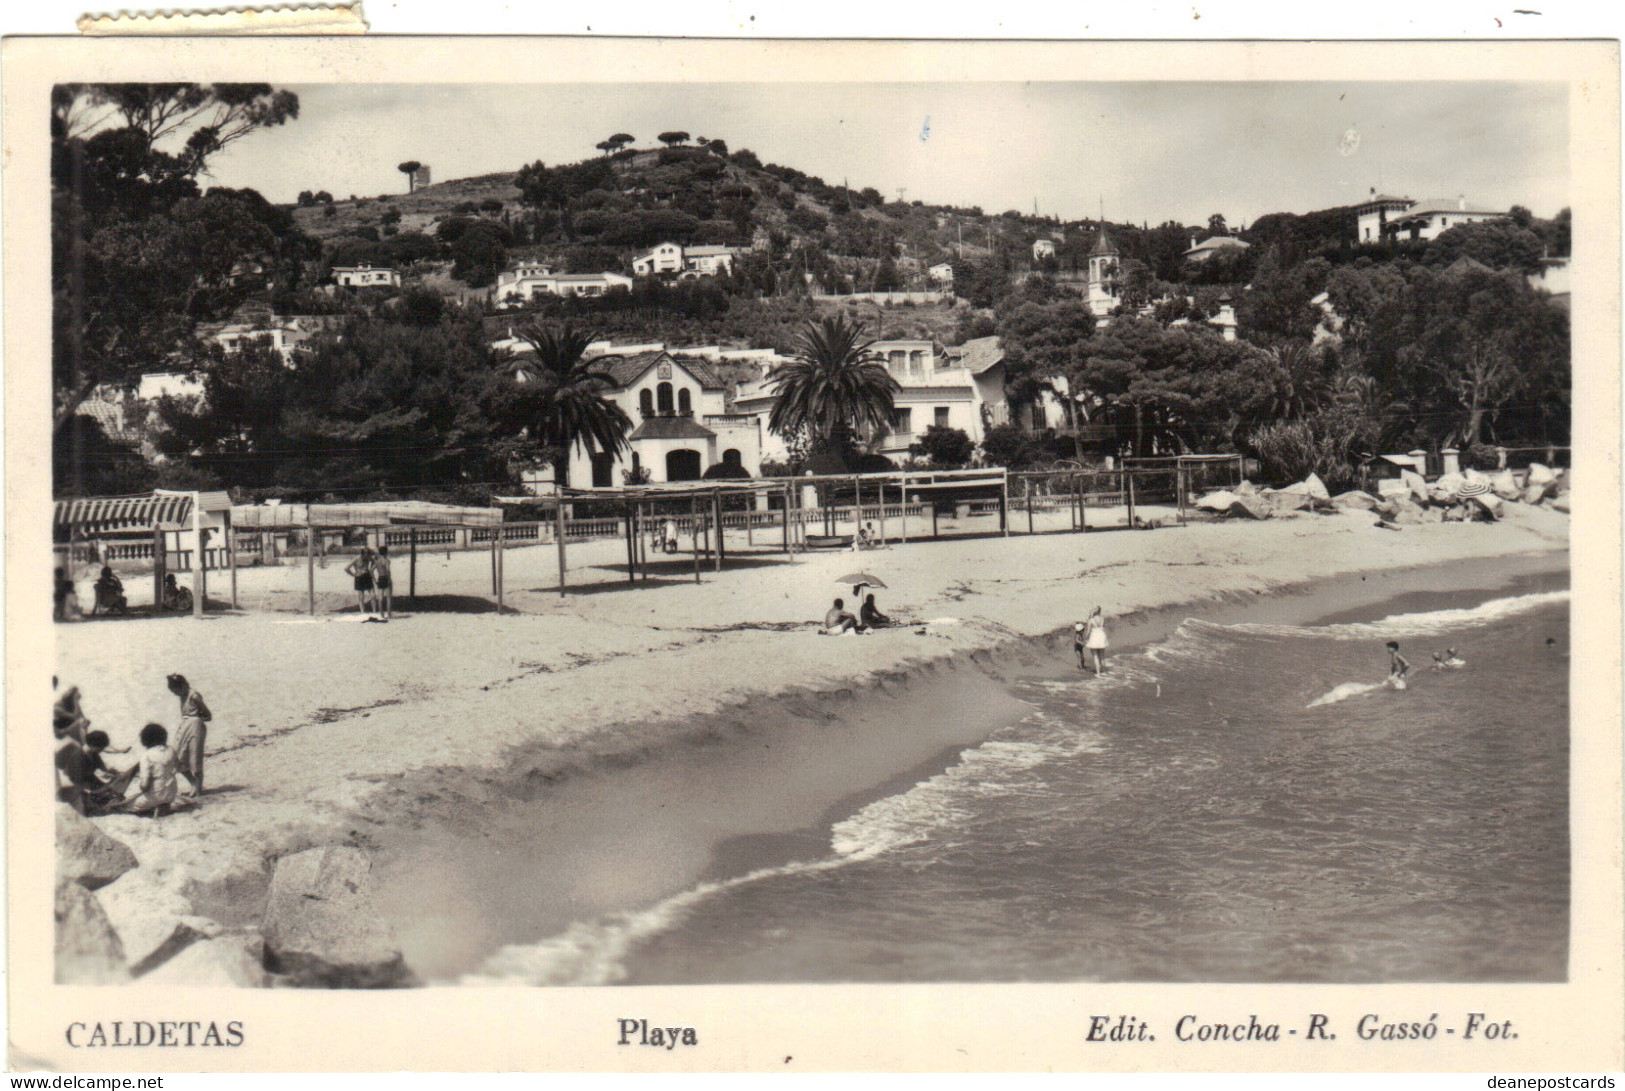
(1096, 642)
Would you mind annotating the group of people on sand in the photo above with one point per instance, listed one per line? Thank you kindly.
(1399, 666)
(110, 596)
(839, 620)
(374, 589)
(150, 786)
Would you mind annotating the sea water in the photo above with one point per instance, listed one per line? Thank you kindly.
(1235, 803)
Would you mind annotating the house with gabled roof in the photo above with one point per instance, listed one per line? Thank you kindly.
(681, 423)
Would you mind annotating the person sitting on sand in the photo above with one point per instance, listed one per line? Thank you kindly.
(1451, 659)
(839, 619)
(361, 570)
(195, 717)
(155, 774)
(1398, 666)
(870, 616)
(381, 585)
(102, 786)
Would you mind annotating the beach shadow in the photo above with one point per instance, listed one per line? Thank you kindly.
(439, 604)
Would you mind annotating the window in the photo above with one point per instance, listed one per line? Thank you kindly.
(901, 421)
(916, 362)
(731, 457)
(603, 470)
(685, 407)
(663, 398)
(942, 416)
(646, 402)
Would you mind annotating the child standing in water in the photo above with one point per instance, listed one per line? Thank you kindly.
(1398, 666)
(1077, 643)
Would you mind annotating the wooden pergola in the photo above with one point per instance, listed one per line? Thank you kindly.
(410, 515)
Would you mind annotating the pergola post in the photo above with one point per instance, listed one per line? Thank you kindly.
(1179, 485)
(716, 517)
(787, 550)
(496, 565)
(412, 566)
(310, 562)
(694, 531)
(231, 556)
(1128, 479)
(558, 525)
(902, 496)
(857, 511)
(1027, 487)
(160, 565)
(631, 549)
(197, 555)
(1004, 504)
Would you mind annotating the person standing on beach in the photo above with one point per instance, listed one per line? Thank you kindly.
(361, 570)
(1096, 640)
(382, 589)
(195, 717)
(1077, 643)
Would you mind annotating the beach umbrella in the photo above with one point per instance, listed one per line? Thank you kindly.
(862, 579)
(1473, 488)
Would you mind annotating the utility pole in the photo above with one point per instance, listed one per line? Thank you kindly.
(902, 192)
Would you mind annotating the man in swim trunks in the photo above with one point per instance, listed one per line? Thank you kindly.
(1398, 666)
(381, 584)
(361, 569)
(839, 619)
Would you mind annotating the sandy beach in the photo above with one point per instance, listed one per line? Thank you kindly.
(327, 730)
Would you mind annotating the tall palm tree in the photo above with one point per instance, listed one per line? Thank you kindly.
(833, 387)
(571, 407)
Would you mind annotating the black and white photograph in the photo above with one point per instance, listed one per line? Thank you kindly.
(886, 530)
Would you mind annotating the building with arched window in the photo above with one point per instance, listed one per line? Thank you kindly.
(681, 426)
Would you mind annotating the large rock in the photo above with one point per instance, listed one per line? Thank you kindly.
(88, 950)
(86, 855)
(321, 928)
(154, 922)
(1534, 494)
(1286, 500)
(1314, 487)
(1415, 484)
(1450, 483)
(1561, 503)
(1355, 498)
(1540, 474)
(1219, 500)
(1408, 517)
(1505, 485)
(235, 959)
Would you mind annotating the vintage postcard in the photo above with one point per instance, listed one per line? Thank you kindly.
(683, 555)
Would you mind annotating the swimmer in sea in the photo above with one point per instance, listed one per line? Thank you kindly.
(1438, 662)
(1451, 659)
(1398, 666)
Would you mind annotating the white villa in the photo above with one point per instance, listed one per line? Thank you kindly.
(365, 276)
(524, 282)
(672, 259)
(1043, 248)
(961, 387)
(941, 273)
(1383, 218)
(681, 425)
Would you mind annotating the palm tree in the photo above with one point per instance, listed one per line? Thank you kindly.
(833, 387)
(571, 407)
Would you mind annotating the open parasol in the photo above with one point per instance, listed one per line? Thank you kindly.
(862, 579)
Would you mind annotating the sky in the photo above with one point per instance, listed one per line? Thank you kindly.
(1142, 151)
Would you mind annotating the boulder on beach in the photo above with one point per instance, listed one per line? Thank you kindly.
(1250, 507)
(1286, 500)
(1219, 500)
(321, 927)
(154, 922)
(1355, 498)
(1407, 517)
(1505, 485)
(1450, 483)
(1246, 488)
(1534, 494)
(232, 959)
(1415, 484)
(1490, 503)
(1541, 474)
(86, 855)
(88, 950)
(1561, 504)
(1563, 477)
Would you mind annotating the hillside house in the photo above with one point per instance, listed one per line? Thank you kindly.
(1217, 246)
(681, 424)
(1043, 248)
(1389, 219)
(365, 276)
(525, 282)
(941, 273)
(672, 259)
